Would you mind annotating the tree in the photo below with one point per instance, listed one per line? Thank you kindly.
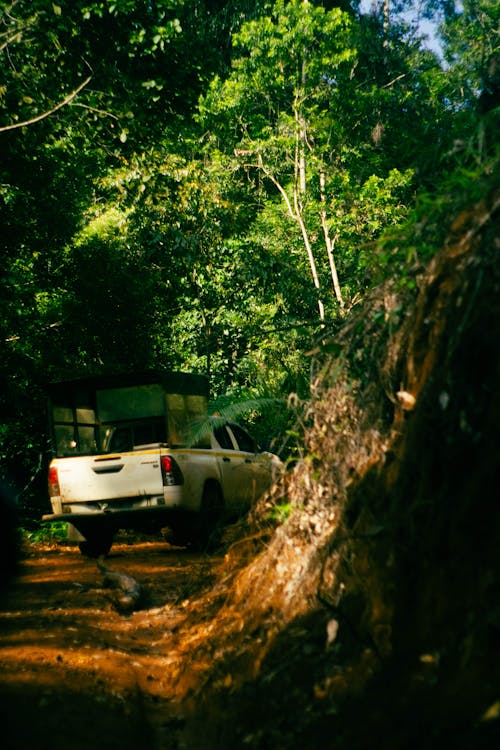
(289, 67)
(470, 37)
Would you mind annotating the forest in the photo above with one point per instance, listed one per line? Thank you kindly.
(215, 186)
(300, 201)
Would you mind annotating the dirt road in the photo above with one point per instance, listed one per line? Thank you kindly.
(75, 673)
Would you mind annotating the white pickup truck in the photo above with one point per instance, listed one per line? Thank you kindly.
(138, 451)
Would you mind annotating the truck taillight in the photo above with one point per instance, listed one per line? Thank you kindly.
(53, 482)
(170, 471)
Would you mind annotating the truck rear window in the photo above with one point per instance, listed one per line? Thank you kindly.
(75, 430)
(129, 436)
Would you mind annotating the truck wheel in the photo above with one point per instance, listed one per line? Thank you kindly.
(209, 521)
(96, 544)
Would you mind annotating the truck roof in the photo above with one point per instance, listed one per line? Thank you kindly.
(173, 382)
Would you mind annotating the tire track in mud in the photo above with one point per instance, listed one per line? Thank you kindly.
(76, 673)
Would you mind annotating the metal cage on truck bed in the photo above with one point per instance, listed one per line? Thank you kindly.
(100, 414)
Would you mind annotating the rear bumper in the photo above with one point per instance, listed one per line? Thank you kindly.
(115, 519)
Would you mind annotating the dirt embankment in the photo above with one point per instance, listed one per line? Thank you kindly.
(371, 617)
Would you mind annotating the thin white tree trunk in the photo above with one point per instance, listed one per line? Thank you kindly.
(329, 242)
(295, 213)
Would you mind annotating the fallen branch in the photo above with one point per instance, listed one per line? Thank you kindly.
(127, 592)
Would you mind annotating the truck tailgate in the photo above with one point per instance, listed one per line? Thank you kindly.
(131, 474)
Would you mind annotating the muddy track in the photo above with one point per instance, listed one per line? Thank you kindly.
(76, 673)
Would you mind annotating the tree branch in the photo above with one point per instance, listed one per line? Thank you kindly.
(8, 41)
(94, 109)
(49, 112)
(386, 85)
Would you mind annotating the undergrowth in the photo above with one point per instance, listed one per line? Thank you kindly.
(43, 533)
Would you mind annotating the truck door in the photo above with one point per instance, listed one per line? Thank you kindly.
(257, 476)
(236, 473)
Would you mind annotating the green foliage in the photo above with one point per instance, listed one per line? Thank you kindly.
(45, 533)
(281, 512)
(308, 101)
(427, 227)
(470, 36)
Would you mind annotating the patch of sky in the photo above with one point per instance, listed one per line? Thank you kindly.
(426, 28)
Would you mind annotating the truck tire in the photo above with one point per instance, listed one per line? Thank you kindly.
(210, 517)
(96, 543)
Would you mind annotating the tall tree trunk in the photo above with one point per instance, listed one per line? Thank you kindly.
(329, 242)
(386, 22)
(295, 212)
(300, 130)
